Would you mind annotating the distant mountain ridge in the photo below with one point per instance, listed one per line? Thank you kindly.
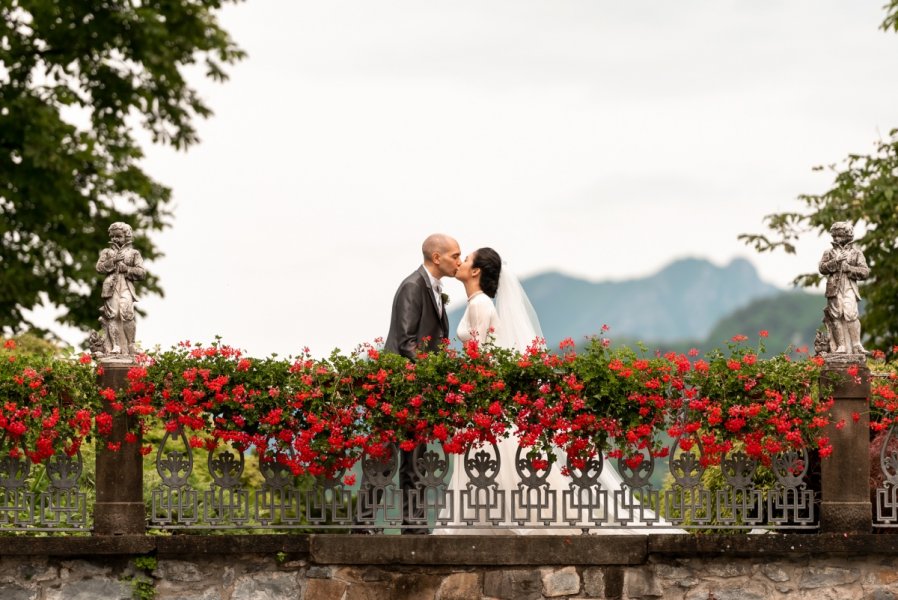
(682, 301)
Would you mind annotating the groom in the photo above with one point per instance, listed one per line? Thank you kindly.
(418, 322)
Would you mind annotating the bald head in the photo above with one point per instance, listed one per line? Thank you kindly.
(436, 243)
(442, 255)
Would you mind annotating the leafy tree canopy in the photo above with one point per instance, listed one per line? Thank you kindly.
(865, 192)
(75, 78)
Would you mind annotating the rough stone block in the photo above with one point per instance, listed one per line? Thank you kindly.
(347, 574)
(40, 571)
(594, 582)
(208, 594)
(674, 572)
(416, 586)
(879, 576)
(840, 593)
(266, 586)
(678, 575)
(881, 594)
(729, 569)
(321, 572)
(83, 569)
(853, 517)
(459, 586)
(90, 589)
(368, 591)
(513, 585)
(178, 570)
(774, 572)
(731, 591)
(375, 574)
(560, 582)
(827, 577)
(16, 592)
(641, 583)
(324, 589)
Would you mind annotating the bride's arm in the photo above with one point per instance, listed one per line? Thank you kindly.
(479, 321)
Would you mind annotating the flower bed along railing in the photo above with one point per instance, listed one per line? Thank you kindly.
(305, 424)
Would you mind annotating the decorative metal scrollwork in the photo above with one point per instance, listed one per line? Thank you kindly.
(633, 500)
(688, 502)
(226, 502)
(378, 496)
(886, 509)
(495, 486)
(52, 504)
(585, 503)
(532, 502)
(639, 475)
(739, 502)
(790, 502)
(175, 502)
(63, 504)
(431, 468)
(329, 502)
(482, 502)
(279, 501)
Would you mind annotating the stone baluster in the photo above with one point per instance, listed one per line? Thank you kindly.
(845, 475)
(120, 507)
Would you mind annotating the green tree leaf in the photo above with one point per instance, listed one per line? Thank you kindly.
(74, 78)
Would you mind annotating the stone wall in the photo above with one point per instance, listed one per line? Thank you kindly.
(811, 567)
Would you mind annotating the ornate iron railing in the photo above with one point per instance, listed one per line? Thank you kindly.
(744, 495)
(885, 503)
(44, 497)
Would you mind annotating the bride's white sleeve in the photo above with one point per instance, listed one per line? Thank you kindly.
(479, 321)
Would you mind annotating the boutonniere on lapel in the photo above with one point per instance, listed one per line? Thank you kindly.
(445, 298)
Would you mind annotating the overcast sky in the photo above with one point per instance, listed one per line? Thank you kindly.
(603, 139)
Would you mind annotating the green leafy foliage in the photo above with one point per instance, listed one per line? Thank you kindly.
(74, 78)
(142, 584)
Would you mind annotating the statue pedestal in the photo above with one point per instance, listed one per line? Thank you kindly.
(120, 508)
(845, 475)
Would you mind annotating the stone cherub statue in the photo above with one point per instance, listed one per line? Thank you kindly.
(844, 265)
(123, 266)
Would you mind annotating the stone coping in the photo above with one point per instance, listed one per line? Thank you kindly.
(468, 550)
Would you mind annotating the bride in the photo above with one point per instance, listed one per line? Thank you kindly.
(499, 507)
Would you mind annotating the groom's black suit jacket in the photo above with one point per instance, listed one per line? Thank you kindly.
(415, 316)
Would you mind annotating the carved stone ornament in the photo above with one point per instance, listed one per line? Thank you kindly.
(844, 266)
(122, 265)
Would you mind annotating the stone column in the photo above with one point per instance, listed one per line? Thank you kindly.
(845, 475)
(120, 507)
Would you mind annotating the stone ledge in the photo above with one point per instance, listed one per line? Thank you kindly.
(467, 550)
(72, 545)
(774, 544)
(474, 550)
(293, 544)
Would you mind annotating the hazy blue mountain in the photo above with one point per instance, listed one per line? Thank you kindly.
(791, 318)
(684, 300)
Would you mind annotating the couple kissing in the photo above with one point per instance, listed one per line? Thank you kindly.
(418, 321)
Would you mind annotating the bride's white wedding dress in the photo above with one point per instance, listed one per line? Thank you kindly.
(514, 325)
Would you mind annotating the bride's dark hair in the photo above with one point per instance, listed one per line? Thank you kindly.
(490, 265)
